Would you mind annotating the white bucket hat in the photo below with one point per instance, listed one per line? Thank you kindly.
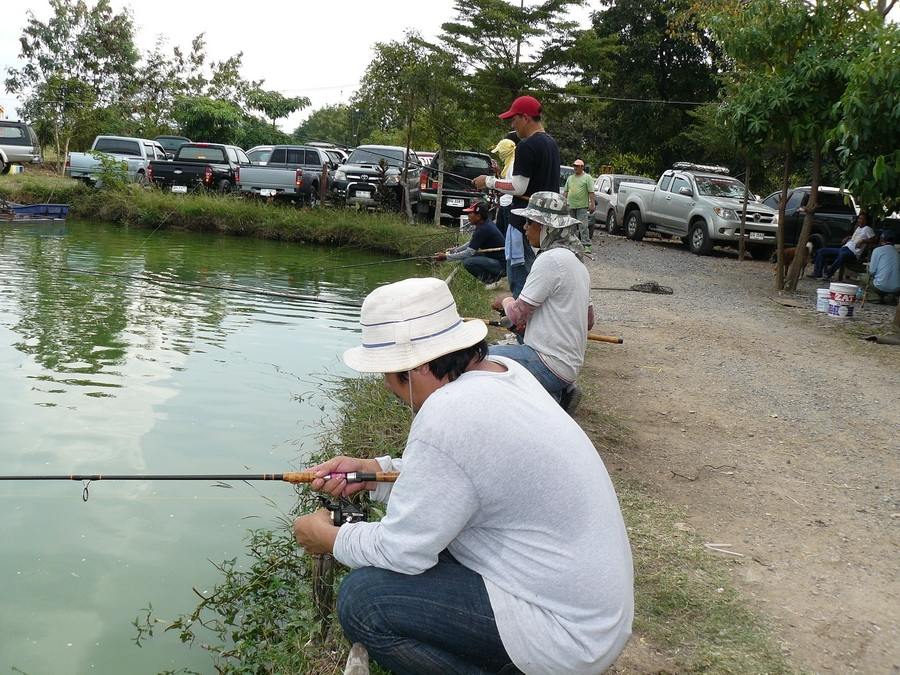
(408, 323)
(547, 208)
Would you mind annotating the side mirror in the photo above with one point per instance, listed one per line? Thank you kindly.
(686, 191)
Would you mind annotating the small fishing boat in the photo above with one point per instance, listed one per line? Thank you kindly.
(33, 214)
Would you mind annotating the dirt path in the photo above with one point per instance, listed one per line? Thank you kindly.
(778, 432)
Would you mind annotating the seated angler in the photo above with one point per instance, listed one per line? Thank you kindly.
(554, 308)
(502, 547)
(482, 255)
(884, 269)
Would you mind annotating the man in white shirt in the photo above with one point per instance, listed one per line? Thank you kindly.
(554, 308)
(503, 546)
(852, 249)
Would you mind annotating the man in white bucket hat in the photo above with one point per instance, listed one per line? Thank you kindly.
(502, 547)
(554, 308)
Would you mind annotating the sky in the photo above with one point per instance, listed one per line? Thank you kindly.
(312, 48)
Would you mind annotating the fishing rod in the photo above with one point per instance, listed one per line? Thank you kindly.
(647, 287)
(295, 477)
(415, 257)
(506, 323)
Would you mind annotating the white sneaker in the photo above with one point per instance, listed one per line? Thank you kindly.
(493, 286)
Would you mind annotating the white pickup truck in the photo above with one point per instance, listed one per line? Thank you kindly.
(701, 205)
(137, 153)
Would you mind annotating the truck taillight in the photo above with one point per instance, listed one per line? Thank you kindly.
(237, 175)
(207, 175)
(434, 184)
(298, 178)
(423, 179)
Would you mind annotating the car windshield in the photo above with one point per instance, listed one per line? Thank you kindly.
(720, 186)
(201, 152)
(461, 160)
(392, 156)
(118, 146)
(171, 144)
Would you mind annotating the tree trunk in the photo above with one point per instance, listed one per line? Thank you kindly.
(440, 189)
(782, 203)
(897, 319)
(742, 244)
(794, 271)
(409, 213)
(61, 161)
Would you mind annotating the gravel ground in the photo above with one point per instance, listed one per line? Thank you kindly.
(775, 427)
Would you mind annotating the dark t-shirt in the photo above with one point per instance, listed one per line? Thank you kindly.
(537, 158)
(487, 235)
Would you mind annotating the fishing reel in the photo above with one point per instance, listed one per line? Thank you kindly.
(344, 511)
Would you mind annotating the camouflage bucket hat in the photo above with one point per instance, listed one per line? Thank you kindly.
(547, 208)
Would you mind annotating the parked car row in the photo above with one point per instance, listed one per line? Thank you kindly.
(18, 145)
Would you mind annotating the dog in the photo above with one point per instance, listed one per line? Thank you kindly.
(791, 253)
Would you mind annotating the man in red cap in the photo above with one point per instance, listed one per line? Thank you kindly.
(536, 168)
(482, 255)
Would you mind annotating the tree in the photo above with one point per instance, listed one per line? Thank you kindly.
(274, 104)
(662, 54)
(82, 57)
(868, 134)
(209, 119)
(333, 124)
(789, 72)
(505, 50)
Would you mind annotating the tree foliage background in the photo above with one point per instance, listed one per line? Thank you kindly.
(644, 83)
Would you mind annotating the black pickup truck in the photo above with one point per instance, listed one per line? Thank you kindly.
(459, 169)
(199, 166)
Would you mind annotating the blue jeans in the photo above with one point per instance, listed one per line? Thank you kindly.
(440, 621)
(526, 356)
(841, 255)
(486, 270)
(516, 276)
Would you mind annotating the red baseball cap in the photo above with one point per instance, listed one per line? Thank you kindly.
(482, 208)
(524, 105)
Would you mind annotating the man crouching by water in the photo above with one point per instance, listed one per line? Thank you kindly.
(502, 546)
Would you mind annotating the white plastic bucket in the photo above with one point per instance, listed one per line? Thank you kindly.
(841, 300)
(823, 295)
(17, 168)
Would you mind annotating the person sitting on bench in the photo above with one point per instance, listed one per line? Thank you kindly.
(852, 250)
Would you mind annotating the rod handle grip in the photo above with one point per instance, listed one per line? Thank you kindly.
(605, 338)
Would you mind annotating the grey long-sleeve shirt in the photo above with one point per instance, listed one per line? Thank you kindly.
(496, 472)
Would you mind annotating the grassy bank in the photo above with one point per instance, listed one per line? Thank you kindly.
(230, 214)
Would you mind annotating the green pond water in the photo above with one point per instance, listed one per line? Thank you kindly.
(112, 374)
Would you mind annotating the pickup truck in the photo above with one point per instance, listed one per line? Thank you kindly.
(459, 169)
(290, 172)
(357, 181)
(701, 205)
(200, 166)
(137, 153)
(833, 221)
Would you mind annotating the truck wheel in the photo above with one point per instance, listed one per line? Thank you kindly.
(314, 196)
(140, 179)
(4, 167)
(634, 225)
(701, 244)
(224, 186)
(611, 225)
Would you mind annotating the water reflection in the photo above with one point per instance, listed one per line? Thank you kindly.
(102, 372)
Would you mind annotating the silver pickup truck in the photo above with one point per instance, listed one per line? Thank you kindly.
(701, 205)
(291, 172)
(137, 153)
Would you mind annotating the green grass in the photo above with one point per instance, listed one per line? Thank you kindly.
(230, 214)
